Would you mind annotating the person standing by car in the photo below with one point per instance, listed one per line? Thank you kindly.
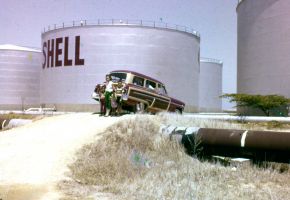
(102, 99)
(108, 93)
(119, 90)
(99, 95)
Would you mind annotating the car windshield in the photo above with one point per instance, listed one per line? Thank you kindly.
(118, 77)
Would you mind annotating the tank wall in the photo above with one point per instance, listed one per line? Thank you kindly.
(263, 47)
(169, 56)
(19, 79)
(210, 87)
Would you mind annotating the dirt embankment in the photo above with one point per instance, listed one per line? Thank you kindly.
(34, 158)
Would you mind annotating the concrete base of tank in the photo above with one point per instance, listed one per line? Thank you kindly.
(210, 110)
(58, 107)
(190, 109)
(74, 107)
(248, 111)
(18, 106)
(93, 107)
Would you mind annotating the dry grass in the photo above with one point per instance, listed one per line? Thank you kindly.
(111, 159)
(133, 161)
(17, 116)
(190, 179)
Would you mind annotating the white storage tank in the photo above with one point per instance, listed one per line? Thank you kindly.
(77, 56)
(210, 85)
(19, 77)
(264, 47)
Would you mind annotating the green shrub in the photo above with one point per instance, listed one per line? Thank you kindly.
(266, 103)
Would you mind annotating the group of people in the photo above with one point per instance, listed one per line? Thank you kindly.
(110, 97)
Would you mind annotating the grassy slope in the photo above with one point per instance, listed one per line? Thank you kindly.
(17, 116)
(133, 161)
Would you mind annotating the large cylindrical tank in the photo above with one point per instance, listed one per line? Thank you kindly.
(83, 53)
(263, 47)
(210, 85)
(19, 77)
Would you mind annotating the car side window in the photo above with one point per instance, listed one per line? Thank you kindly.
(150, 84)
(161, 89)
(138, 81)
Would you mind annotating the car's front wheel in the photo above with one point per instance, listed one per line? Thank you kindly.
(140, 108)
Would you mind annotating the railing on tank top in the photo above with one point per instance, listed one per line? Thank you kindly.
(120, 22)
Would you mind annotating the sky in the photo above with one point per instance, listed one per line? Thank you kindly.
(22, 22)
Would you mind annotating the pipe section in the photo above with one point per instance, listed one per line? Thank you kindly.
(257, 145)
(12, 123)
(3, 123)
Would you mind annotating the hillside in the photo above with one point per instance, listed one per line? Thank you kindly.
(84, 156)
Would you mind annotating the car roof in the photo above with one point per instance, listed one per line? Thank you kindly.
(138, 74)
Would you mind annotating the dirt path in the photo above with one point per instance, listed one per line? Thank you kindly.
(33, 158)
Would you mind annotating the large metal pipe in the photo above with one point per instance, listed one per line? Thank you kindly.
(257, 145)
(3, 123)
(12, 123)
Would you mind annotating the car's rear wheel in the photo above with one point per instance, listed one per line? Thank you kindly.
(178, 111)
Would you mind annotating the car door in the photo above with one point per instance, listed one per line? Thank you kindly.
(160, 100)
(138, 93)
